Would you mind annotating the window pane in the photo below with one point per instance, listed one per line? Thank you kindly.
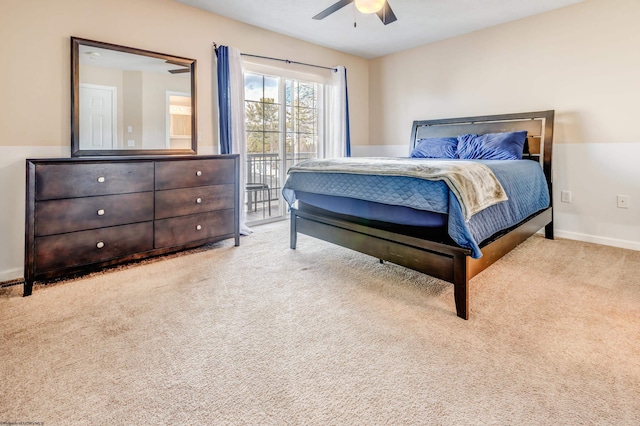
(288, 92)
(306, 145)
(253, 87)
(271, 89)
(288, 143)
(307, 95)
(271, 119)
(306, 120)
(254, 116)
(255, 142)
(290, 121)
(255, 165)
(271, 142)
(287, 149)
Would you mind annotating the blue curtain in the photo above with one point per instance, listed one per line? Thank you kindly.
(224, 99)
(348, 126)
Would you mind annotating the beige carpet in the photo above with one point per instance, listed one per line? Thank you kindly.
(261, 334)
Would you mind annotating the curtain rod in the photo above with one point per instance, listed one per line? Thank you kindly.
(215, 46)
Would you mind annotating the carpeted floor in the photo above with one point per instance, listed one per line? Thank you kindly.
(261, 334)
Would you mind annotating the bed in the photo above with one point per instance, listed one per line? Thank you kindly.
(449, 228)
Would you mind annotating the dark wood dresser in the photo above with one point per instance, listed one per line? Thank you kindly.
(83, 214)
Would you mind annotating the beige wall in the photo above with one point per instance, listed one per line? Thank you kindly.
(154, 109)
(35, 79)
(582, 60)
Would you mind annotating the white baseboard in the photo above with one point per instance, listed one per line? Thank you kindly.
(614, 242)
(11, 275)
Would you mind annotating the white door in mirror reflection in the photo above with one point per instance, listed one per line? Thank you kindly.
(98, 120)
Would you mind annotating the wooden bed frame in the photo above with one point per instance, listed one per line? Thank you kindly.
(432, 252)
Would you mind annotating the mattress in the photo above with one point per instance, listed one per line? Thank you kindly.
(371, 210)
(522, 180)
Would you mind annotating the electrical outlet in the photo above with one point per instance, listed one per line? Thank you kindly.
(623, 201)
(565, 196)
(131, 142)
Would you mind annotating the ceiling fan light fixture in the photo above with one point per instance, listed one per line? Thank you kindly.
(369, 6)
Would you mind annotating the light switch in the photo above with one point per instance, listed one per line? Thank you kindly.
(129, 129)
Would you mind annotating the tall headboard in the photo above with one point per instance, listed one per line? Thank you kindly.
(539, 127)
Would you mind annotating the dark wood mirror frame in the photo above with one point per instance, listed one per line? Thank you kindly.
(76, 150)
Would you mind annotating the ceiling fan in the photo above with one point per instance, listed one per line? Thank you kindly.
(178, 70)
(380, 7)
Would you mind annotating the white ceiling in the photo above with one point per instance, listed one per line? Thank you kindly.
(419, 21)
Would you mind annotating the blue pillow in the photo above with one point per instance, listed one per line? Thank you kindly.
(436, 148)
(492, 146)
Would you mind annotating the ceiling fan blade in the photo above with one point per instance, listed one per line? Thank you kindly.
(333, 8)
(386, 15)
(176, 63)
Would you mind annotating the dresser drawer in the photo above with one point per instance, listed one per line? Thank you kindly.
(188, 173)
(85, 247)
(77, 214)
(185, 229)
(184, 201)
(86, 179)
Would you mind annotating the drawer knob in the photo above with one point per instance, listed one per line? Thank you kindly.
(101, 212)
(198, 227)
(101, 179)
(198, 173)
(198, 200)
(100, 244)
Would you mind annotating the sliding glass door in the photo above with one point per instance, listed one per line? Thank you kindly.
(283, 127)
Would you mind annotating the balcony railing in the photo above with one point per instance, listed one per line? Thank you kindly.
(263, 184)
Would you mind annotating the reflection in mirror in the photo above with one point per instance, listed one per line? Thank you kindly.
(129, 101)
(179, 119)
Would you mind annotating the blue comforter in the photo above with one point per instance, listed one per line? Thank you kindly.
(522, 180)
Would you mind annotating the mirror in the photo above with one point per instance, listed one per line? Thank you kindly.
(128, 101)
